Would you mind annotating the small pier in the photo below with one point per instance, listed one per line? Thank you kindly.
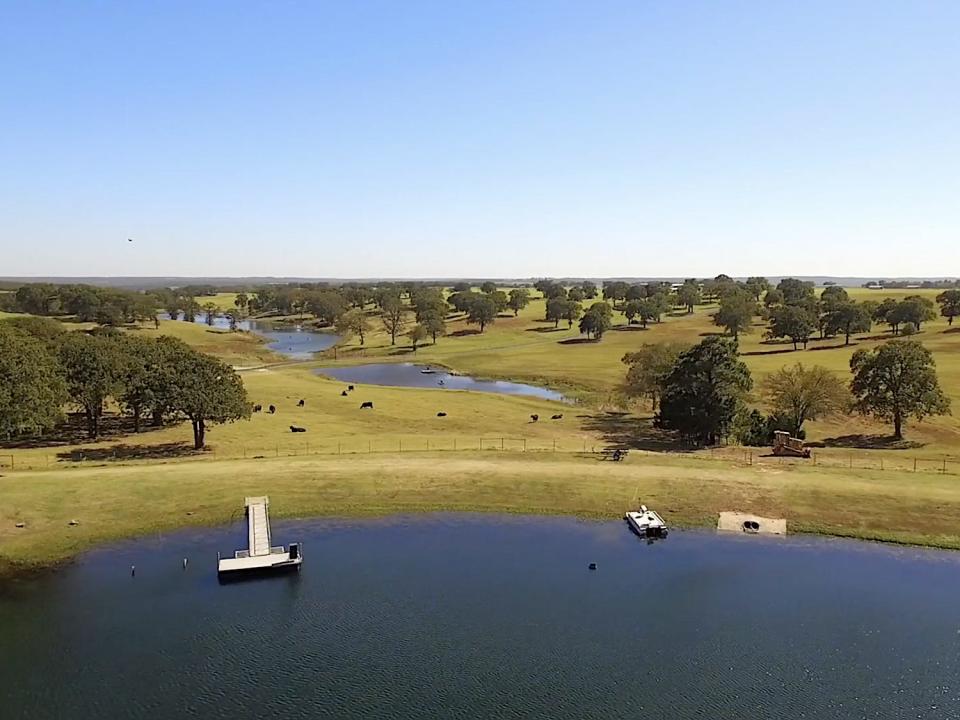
(260, 554)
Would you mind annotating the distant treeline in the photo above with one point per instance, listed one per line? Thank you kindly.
(44, 368)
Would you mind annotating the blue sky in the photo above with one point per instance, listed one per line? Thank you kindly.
(480, 139)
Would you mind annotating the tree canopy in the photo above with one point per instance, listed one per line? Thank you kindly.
(797, 394)
(704, 391)
(648, 368)
(896, 381)
(32, 389)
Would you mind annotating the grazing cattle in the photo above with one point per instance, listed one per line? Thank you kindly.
(349, 387)
(366, 404)
(557, 417)
(441, 414)
(257, 408)
(294, 428)
(343, 394)
(301, 403)
(534, 418)
(272, 409)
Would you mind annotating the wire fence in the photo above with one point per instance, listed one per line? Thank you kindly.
(863, 460)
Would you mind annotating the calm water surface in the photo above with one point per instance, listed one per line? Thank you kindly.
(298, 342)
(486, 617)
(411, 375)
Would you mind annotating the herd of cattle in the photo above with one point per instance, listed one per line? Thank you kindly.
(365, 405)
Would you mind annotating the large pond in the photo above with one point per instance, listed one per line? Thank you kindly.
(425, 376)
(487, 617)
(294, 341)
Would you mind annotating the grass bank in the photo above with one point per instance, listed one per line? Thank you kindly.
(119, 501)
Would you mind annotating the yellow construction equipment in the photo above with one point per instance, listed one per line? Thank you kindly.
(783, 444)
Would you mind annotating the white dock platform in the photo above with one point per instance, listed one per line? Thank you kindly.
(260, 555)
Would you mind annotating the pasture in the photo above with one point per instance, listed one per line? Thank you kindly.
(115, 502)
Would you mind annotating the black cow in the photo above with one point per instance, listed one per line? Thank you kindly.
(257, 408)
(272, 409)
(294, 428)
(349, 387)
(557, 417)
(301, 403)
(441, 414)
(534, 418)
(343, 394)
(366, 404)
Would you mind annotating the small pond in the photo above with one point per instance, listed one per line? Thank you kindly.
(425, 376)
(488, 618)
(297, 342)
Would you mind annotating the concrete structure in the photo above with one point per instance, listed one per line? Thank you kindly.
(751, 524)
(260, 556)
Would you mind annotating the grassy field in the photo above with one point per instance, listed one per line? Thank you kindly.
(528, 349)
(350, 461)
(115, 502)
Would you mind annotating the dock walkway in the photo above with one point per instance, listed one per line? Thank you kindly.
(258, 525)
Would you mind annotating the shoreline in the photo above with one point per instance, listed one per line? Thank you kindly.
(130, 501)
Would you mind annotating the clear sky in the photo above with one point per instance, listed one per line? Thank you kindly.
(487, 138)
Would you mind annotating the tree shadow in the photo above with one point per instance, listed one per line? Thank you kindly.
(951, 330)
(464, 332)
(577, 341)
(163, 451)
(624, 431)
(831, 347)
(778, 351)
(402, 351)
(710, 333)
(74, 432)
(630, 328)
(545, 329)
(870, 442)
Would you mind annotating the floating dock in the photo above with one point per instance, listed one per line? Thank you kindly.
(260, 555)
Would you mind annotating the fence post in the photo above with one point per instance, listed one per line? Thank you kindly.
(914, 464)
(524, 444)
(944, 465)
(850, 460)
(454, 444)
(554, 445)
(278, 449)
(338, 447)
(400, 441)
(428, 444)
(369, 446)
(501, 444)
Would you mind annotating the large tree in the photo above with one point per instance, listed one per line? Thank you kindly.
(795, 292)
(138, 368)
(848, 318)
(949, 301)
(353, 322)
(482, 312)
(797, 394)
(417, 334)
(648, 368)
(757, 286)
(555, 309)
(896, 381)
(736, 312)
(519, 299)
(208, 391)
(688, 295)
(915, 309)
(433, 320)
(393, 316)
(93, 367)
(794, 322)
(32, 390)
(704, 390)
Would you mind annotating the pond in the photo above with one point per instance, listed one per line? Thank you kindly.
(411, 375)
(483, 617)
(297, 342)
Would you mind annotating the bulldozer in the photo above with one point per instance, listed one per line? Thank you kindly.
(784, 445)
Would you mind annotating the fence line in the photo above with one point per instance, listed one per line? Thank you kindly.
(944, 465)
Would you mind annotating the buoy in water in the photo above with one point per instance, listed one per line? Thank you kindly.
(133, 570)
(593, 566)
(184, 563)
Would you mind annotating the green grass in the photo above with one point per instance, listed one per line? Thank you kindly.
(120, 501)
(146, 482)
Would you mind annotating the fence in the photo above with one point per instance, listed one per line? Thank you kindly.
(878, 460)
